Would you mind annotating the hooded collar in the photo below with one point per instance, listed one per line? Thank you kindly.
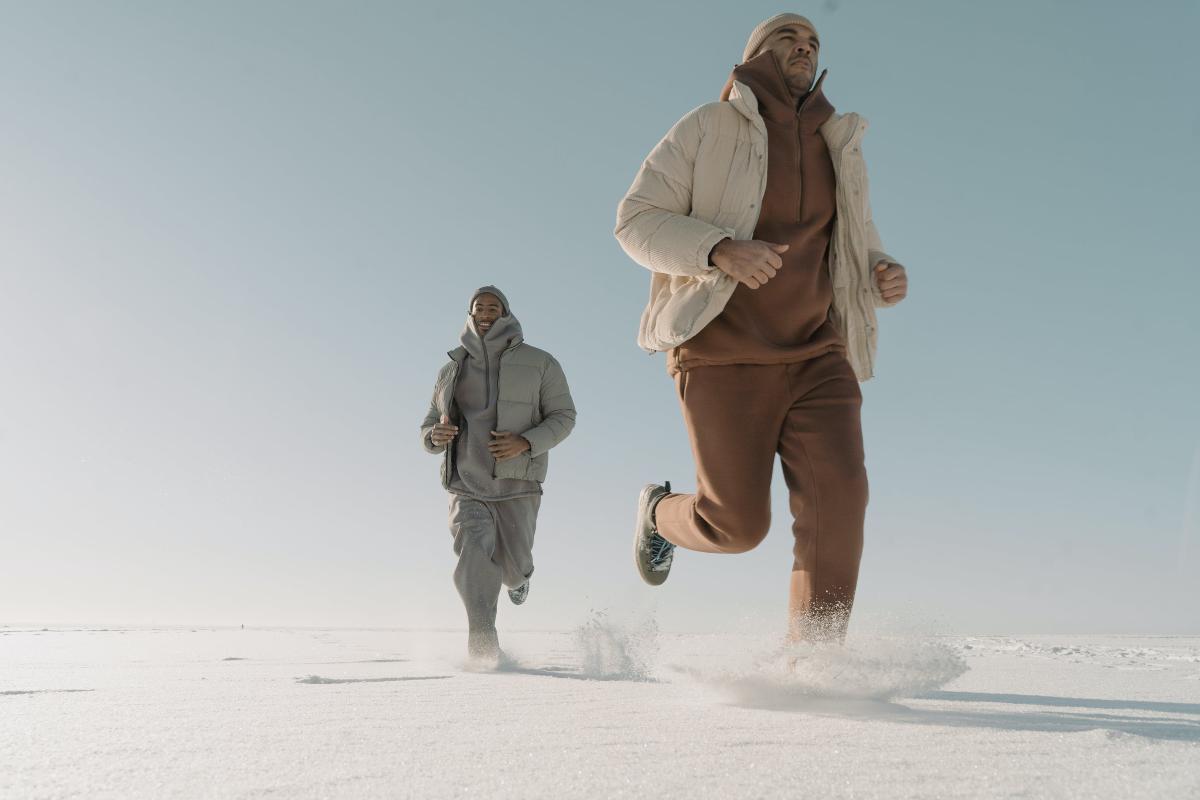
(765, 79)
(504, 333)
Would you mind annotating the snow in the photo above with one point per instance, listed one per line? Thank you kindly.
(603, 711)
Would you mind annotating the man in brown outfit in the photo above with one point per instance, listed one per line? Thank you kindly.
(768, 371)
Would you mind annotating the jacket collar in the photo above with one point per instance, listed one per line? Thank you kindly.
(838, 130)
(459, 354)
(776, 103)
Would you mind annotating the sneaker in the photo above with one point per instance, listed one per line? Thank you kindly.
(519, 594)
(651, 553)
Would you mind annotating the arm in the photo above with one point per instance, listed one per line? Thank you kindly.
(875, 252)
(653, 223)
(558, 412)
(433, 419)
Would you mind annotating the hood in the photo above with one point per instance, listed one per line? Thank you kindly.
(775, 102)
(505, 332)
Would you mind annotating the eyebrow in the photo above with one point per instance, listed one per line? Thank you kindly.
(812, 37)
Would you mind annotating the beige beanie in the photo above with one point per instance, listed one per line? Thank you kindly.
(765, 29)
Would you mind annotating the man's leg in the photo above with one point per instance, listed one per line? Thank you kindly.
(516, 521)
(477, 577)
(733, 416)
(822, 453)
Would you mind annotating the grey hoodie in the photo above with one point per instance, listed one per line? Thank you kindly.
(476, 397)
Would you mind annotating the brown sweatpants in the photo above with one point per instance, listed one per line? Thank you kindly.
(738, 418)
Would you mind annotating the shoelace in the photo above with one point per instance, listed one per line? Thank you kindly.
(661, 552)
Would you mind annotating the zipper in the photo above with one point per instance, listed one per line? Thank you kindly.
(487, 378)
(799, 174)
(800, 148)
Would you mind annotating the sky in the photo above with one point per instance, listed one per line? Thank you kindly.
(237, 240)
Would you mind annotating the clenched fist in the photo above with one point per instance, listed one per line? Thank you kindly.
(892, 280)
(504, 446)
(443, 432)
(750, 262)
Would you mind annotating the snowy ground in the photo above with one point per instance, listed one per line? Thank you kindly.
(593, 713)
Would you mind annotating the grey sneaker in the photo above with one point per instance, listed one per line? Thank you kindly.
(651, 553)
(519, 594)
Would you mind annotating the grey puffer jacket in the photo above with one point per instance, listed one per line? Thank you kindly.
(534, 401)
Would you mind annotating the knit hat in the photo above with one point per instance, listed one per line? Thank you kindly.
(765, 29)
(489, 290)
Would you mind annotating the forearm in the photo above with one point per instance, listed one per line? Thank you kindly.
(427, 441)
(431, 419)
(550, 432)
(665, 241)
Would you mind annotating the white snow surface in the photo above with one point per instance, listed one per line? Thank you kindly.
(597, 712)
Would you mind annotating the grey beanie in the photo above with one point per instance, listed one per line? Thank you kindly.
(768, 27)
(489, 290)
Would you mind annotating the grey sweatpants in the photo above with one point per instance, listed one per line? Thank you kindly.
(494, 544)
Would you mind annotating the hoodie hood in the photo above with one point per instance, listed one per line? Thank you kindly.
(504, 333)
(765, 78)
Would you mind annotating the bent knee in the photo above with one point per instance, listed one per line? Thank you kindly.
(742, 536)
(738, 526)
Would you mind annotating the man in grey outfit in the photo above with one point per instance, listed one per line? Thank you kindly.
(498, 406)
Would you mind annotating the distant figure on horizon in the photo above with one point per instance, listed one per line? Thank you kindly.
(503, 404)
(766, 269)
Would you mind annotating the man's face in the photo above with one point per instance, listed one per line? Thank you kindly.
(486, 309)
(796, 49)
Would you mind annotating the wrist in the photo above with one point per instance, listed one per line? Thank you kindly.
(713, 254)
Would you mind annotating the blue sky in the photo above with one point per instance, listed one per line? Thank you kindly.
(237, 240)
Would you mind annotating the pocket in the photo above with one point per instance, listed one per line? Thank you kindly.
(516, 468)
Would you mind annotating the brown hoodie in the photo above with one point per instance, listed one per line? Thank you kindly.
(788, 319)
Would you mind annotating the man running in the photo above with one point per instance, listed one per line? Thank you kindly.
(766, 269)
(503, 404)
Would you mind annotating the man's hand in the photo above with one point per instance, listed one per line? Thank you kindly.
(892, 281)
(443, 432)
(504, 446)
(752, 262)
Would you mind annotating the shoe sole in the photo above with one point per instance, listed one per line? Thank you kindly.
(643, 524)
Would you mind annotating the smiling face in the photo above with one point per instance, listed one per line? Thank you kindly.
(485, 310)
(796, 48)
